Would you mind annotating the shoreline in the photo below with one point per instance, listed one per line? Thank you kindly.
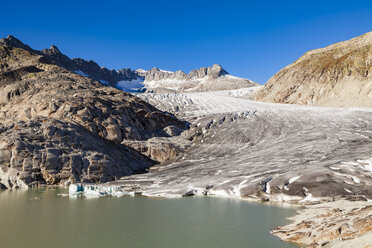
(339, 223)
(299, 230)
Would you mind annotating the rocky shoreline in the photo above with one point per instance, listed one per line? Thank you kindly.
(339, 223)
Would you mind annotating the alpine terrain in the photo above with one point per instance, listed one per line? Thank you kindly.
(69, 121)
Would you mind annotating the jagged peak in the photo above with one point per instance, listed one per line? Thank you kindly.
(216, 68)
(55, 49)
(12, 41)
(9, 37)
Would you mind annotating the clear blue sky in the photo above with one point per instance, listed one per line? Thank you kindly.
(252, 39)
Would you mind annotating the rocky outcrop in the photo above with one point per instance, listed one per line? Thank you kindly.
(339, 75)
(335, 224)
(162, 149)
(59, 127)
(203, 79)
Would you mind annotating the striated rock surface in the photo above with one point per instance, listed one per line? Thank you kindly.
(203, 79)
(59, 127)
(339, 75)
(334, 224)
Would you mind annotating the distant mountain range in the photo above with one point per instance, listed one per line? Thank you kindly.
(203, 79)
(338, 75)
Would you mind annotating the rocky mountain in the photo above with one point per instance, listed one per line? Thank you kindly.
(59, 127)
(80, 66)
(339, 75)
(154, 80)
(202, 79)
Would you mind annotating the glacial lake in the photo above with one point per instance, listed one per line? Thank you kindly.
(44, 219)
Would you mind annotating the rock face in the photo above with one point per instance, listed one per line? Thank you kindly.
(203, 79)
(59, 127)
(339, 75)
(92, 69)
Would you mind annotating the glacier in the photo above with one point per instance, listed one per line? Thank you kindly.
(96, 190)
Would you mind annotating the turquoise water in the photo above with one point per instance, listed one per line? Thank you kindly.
(43, 219)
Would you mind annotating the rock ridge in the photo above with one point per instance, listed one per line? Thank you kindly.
(81, 66)
(337, 76)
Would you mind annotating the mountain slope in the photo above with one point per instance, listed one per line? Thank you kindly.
(154, 80)
(339, 75)
(59, 127)
(77, 65)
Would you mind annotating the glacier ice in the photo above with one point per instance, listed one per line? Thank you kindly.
(94, 190)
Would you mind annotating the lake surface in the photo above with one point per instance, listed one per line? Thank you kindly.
(43, 219)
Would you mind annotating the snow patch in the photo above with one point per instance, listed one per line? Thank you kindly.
(349, 191)
(218, 192)
(293, 179)
(81, 73)
(141, 71)
(355, 179)
(367, 164)
(309, 197)
(135, 85)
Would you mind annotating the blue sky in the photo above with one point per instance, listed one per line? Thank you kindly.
(252, 39)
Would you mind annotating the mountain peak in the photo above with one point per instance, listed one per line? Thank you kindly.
(10, 37)
(54, 49)
(12, 41)
(217, 70)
